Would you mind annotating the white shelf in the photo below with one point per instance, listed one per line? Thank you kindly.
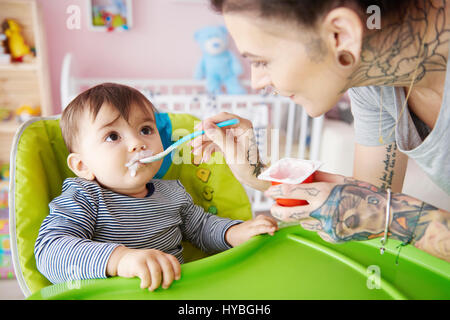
(9, 126)
(28, 82)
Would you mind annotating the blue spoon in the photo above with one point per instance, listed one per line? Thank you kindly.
(184, 139)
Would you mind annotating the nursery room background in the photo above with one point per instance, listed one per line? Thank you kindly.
(64, 46)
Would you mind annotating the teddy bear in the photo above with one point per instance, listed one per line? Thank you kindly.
(218, 65)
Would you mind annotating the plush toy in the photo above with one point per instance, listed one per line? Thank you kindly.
(17, 46)
(218, 65)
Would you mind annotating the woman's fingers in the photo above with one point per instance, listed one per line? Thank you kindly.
(199, 149)
(222, 116)
(311, 224)
(208, 151)
(290, 214)
(216, 134)
(307, 191)
(325, 236)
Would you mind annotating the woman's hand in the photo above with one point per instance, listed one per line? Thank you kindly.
(242, 232)
(340, 209)
(153, 267)
(238, 145)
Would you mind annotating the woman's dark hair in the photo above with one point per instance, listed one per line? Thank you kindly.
(307, 12)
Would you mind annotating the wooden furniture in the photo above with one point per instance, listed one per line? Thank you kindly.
(25, 83)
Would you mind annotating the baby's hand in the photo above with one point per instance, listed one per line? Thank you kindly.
(242, 232)
(151, 266)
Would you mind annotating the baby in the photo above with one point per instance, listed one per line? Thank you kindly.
(114, 219)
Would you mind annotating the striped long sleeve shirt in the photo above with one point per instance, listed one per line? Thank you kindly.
(87, 222)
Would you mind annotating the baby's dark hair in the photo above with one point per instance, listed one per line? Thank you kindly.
(118, 96)
(307, 12)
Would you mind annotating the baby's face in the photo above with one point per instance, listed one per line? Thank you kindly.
(109, 142)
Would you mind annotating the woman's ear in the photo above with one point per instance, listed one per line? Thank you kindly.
(344, 33)
(78, 167)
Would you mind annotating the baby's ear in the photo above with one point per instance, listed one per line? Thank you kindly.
(78, 167)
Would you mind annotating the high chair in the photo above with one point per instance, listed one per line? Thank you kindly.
(292, 264)
(39, 167)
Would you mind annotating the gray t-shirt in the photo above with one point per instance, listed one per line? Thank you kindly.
(429, 148)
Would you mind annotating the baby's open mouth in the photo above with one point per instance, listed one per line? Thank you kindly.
(134, 164)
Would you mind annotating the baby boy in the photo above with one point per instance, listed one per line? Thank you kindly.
(114, 219)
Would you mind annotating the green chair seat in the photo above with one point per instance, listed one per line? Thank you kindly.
(39, 167)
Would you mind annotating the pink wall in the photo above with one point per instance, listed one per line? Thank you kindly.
(160, 44)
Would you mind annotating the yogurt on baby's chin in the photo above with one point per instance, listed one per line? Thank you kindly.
(134, 164)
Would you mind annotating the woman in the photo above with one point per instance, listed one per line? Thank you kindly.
(313, 52)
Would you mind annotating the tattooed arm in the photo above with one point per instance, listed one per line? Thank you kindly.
(383, 166)
(350, 210)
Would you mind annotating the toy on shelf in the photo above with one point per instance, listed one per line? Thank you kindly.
(5, 114)
(218, 64)
(4, 178)
(5, 58)
(20, 51)
(3, 195)
(6, 265)
(26, 112)
(4, 172)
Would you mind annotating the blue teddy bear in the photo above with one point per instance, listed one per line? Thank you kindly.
(218, 65)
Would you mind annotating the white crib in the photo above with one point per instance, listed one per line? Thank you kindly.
(273, 117)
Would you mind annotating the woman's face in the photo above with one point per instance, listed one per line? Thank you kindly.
(294, 61)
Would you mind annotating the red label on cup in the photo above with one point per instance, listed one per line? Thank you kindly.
(294, 202)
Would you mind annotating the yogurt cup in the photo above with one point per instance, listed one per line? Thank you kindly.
(293, 202)
(291, 171)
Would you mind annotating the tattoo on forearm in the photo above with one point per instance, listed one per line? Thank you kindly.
(310, 191)
(355, 211)
(311, 226)
(389, 165)
(253, 157)
(298, 215)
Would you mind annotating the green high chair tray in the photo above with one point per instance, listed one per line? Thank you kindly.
(292, 264)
